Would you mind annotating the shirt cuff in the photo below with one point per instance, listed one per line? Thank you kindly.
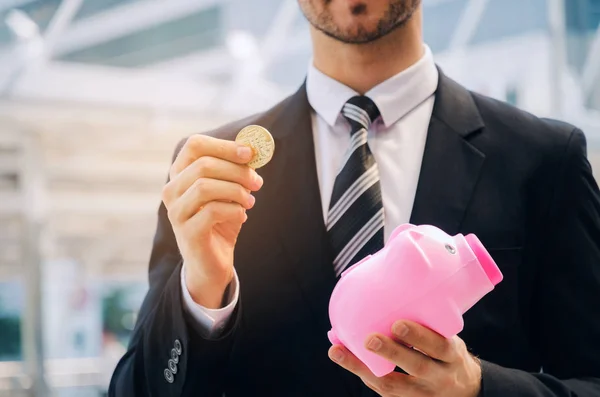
(212, 321)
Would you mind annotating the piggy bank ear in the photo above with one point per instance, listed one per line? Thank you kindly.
(400, 229)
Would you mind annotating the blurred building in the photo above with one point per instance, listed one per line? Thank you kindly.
(94, 95)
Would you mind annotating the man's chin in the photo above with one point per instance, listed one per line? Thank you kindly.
(354, 35)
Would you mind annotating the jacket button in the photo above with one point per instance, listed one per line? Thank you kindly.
(169, 376)
(178, 347)
(173, 366)
(174, 356)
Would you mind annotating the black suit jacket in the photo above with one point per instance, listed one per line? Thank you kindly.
(522, 184)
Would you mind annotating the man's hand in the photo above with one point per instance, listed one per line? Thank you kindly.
(206, 200)
(436, 366)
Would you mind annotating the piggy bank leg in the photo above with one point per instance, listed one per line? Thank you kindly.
(333, 338)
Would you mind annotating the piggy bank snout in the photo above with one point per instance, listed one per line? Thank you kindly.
(484, 258)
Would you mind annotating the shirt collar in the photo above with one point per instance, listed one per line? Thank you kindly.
(395, 97)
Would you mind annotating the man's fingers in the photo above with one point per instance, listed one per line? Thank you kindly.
(347, 360)
(218, 212)
(214, 213)
(202, 145)
(426, 340)
(202, 192)
(413, 362)
(394, 384)
(211, 168)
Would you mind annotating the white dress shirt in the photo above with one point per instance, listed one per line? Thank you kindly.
(397, 141)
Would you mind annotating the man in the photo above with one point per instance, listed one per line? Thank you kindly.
(376, 137)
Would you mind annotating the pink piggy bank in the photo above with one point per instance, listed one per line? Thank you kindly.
(422, 275)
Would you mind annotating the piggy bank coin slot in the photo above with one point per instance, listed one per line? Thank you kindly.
(450, 249)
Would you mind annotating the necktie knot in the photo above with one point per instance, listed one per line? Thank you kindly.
(362, 110)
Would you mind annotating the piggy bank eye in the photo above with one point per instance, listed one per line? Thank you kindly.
(450, 249)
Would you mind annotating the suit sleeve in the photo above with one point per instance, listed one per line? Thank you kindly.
(168, 354)
(566, 302)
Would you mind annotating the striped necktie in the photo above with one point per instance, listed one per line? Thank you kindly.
(355, 218)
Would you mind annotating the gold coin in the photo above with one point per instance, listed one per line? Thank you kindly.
(261, 142)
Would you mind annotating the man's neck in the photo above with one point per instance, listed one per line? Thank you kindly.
(363, 66)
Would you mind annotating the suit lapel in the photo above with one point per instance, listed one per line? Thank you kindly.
(451, 165)
(297, 214)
